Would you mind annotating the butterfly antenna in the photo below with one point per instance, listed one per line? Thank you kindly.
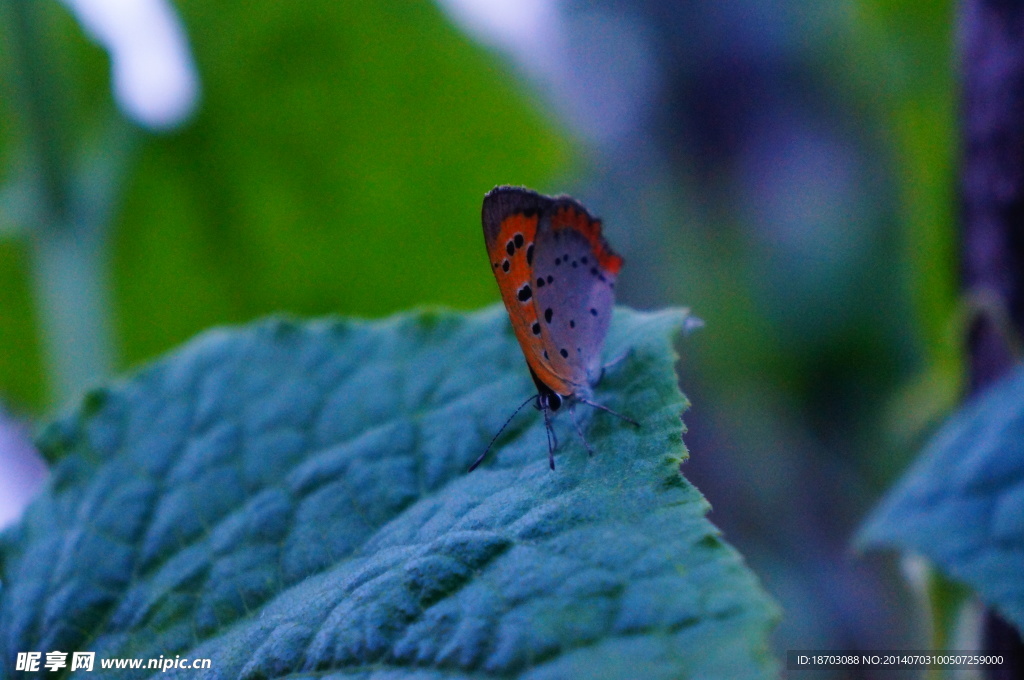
(552, 438)
(579, 430)
(495, 437)
(594, 404)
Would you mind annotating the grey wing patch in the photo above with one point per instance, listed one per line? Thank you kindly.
(502, 201)
(574, 301)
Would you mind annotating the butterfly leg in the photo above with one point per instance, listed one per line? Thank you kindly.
(535, 398)
(594, 404)
(579, 430)
(552, 439)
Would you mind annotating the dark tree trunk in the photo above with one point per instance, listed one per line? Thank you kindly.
(992, 229)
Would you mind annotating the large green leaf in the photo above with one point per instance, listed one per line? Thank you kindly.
(962, 503)
(293, 497)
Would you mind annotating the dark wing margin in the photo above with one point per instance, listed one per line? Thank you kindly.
(568, 212)
(502, 201)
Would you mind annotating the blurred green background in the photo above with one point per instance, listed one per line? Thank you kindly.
(783, 167)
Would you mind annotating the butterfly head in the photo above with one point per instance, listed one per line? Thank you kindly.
(550, 401)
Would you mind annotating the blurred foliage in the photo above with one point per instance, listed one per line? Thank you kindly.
(20, 366)
(912, 79)
(327, 129)
(961, 504)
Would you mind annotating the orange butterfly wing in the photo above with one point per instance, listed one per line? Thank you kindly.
(563, 354)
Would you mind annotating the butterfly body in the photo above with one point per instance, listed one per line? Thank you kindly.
(557, 277)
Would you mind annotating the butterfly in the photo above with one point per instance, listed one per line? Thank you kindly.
(557, 277)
